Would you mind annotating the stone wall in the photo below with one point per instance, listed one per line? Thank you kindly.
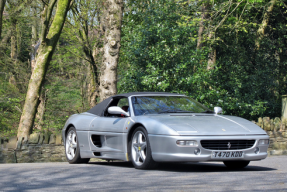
(39, 148)
(49, 148)
(277, 131)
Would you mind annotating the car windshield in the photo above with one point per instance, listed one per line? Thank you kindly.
(143, 105)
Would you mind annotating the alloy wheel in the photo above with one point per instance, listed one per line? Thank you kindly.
(71, 145)
(139, 148)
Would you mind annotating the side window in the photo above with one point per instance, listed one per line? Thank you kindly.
(123, 103)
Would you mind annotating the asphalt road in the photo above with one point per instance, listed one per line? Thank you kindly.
(267, 175)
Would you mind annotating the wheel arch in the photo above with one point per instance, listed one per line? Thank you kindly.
(68, 127)
(64, 133)
(132, 129)
(130, 133)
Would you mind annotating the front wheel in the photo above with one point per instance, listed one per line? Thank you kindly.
(72, 148)
(236, 164)
(140, 150)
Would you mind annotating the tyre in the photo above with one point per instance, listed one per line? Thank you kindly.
(72, 148)
(140, 151)
(236, 164)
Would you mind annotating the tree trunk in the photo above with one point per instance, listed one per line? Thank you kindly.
(2, 5)
(34, 27)
(14, 52)
(212, 54)
(112, 35)
(261, 30)
(92, 85)
(18, 40)
(204, 16)
(92, 72)
(39, 120)
(211, 59)
(14, 40)
(35, 41)
(44, 56)
(33, 54)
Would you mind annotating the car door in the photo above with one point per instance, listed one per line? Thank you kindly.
(107, 132)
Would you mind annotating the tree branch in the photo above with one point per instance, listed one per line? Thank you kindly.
(46, 17)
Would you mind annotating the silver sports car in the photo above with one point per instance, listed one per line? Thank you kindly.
(148, 128)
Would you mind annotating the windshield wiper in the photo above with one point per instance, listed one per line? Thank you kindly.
(207, 111)
(175, 111)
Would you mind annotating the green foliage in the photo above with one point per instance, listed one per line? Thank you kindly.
(10, 107)
(159, 54)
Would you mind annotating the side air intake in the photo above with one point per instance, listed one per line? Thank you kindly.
(96, 139)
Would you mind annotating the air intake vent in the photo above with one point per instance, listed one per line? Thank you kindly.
(97, 154)
(227, 144)
(96, 139)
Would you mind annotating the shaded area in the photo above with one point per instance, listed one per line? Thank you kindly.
(188, 167)
(270, 174)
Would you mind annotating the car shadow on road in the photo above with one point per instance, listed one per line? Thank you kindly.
(207, 167)
(189, 167)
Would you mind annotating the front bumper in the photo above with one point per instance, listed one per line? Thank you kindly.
(165, 149)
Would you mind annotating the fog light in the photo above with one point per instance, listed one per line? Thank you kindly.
(197, 151)
(256, 151)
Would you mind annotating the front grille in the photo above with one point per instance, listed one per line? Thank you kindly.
(227, 144)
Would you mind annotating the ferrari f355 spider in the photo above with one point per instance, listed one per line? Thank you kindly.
(148, 128)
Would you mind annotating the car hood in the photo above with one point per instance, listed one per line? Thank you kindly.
(209, 124)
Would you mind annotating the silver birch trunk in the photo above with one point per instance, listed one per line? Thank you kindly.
(112, 22)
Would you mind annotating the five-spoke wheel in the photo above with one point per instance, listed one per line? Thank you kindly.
(72, 149)
(71, 145)
(140, 150)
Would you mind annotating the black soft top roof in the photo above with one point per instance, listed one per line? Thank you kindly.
(144, 93)
(98, 109)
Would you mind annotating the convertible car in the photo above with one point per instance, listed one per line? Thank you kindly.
(148, 128)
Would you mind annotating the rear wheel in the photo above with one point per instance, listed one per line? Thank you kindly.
(236, 164)
(140, 151)
(72, 147)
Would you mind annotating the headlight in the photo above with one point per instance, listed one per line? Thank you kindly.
(187, 143)
(263, 142)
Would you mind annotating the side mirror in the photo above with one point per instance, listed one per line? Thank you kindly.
(117, 111)
(217, 110)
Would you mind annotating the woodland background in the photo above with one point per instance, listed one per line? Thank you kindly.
(231, 54)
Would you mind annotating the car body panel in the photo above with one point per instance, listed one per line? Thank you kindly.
(163, 132)
(196, 124)
(165, 148)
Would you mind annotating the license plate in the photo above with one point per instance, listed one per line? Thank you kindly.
(226, 154)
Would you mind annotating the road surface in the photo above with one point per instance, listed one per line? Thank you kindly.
(267, 175)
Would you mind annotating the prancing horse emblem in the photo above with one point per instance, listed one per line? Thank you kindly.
(228, 145)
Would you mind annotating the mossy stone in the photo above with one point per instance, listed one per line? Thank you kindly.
(52, 139)
(34, 138)
(46, 138)
(41, 138)
(12, 143)
(59, 139)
